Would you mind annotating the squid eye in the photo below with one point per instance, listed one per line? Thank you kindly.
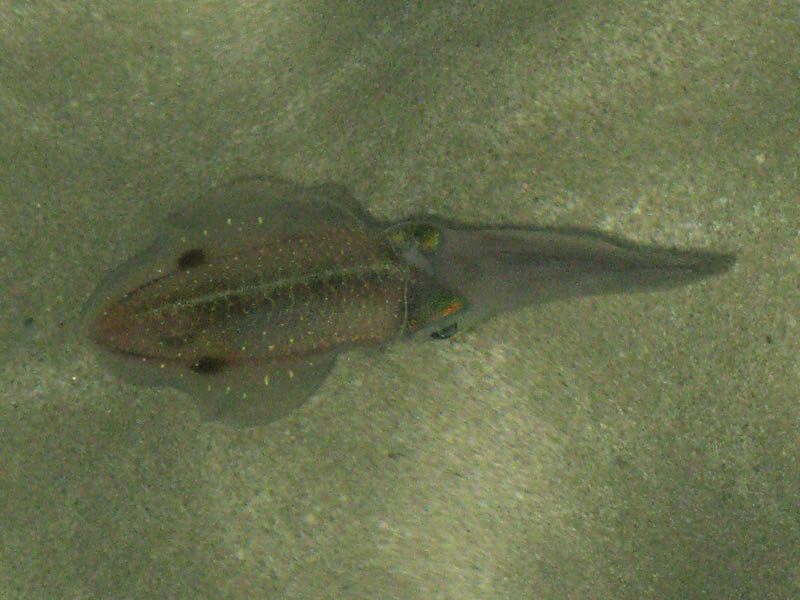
(428, 238)
(445, 332)
(422, 236)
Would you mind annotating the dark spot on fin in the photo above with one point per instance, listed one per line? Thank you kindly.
(445, 332)
(209, 365)
(191, 258)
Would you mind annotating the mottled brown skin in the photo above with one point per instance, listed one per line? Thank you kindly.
(248, 295)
